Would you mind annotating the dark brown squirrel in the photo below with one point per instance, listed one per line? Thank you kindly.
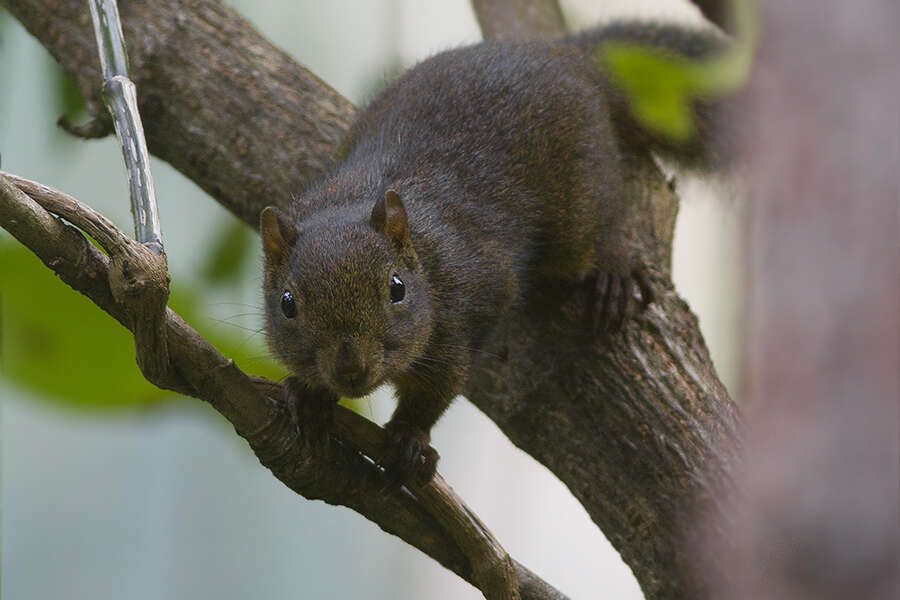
(476, 180)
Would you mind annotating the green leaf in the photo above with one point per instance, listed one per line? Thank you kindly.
(660, 88)
(56, 342)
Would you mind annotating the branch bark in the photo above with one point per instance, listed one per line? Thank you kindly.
(638, 426)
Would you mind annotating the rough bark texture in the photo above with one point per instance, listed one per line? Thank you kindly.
(637, 426)
(817, 514)
(632, 424)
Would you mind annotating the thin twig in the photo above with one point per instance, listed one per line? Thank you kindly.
(120, 96)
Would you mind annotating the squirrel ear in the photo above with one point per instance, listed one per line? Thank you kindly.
(278, 234)
(389, 218)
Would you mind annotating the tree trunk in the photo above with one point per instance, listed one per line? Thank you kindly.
(817, 513)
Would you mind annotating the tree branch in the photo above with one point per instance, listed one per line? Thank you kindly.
(637, 425)
(520, 19)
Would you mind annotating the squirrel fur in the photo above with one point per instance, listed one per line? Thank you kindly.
(472, 184)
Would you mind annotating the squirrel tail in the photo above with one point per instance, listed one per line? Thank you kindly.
(710, 147)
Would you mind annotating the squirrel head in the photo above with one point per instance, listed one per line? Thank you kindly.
(347, 302)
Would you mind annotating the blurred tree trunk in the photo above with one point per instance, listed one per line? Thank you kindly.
(817, 516)
(637, 425)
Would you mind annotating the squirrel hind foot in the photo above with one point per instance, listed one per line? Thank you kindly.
(615, 302)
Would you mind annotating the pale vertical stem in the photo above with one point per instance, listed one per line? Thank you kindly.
(120, 95)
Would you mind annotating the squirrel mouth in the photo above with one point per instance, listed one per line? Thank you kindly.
(353, 378)
(353, 389)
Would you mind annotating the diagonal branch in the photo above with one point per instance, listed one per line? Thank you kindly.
(431, 517)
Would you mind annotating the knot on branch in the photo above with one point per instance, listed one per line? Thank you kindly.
(139, 280)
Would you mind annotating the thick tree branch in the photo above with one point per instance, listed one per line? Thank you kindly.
(255, 406)
(639, 427)
(632, 424)
(520, 19)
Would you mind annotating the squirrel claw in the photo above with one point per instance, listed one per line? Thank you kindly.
(312, 410)
(614, 299)
(409, 458)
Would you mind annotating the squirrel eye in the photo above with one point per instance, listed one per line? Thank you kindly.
(398, 289)
(288, 307)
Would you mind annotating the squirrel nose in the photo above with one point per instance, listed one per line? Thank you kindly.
(351, 364)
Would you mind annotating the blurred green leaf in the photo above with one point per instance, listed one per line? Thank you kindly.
(228, 257)
(661, 89)
(56, 342)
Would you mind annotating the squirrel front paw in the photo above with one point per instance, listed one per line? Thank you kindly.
(312, 411)
(614, 299)
(408, 455)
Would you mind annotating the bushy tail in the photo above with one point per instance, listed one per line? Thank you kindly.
(710, 146)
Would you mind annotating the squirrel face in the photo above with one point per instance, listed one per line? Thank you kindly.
(347, 302)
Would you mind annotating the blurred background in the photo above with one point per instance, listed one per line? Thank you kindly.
(131, 492)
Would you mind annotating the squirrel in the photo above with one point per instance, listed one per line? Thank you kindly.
(477, 180)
